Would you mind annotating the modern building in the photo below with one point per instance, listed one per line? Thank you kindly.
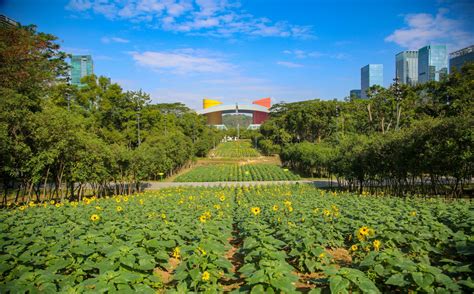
(371, 74)
(5, 21)
(432, 63)
(406, 67)
(355, 93)
(458, 58)
(213, 111)
(81, 66)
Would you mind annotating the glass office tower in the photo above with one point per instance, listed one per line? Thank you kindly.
(406, 67)
(354, 93)
(432, 63)
(371, 74)
(460, 57)
(81, 66)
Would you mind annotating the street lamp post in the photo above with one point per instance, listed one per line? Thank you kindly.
(398, 98)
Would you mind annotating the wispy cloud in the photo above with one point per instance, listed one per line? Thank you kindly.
(107, 40)
(217, 18)
(289, 64)
(301, 54)
(423, 29)
(76, 51)
(182, 61)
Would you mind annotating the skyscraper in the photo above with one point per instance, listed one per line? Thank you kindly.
(354, 93)
(432, 63)
(371, 74)
(406, 64)
(81, 66)
(460, 57)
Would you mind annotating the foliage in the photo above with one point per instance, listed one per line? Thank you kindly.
(235, 172)
(284, 231)
(57, 139)
(401, 139)
(236, 149)
(93, 246)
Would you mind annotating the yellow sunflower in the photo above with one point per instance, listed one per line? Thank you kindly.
(205, 276)
(255, 210)
(377, 244)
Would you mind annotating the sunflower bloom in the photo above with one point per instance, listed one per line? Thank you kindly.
(95, 217)
(205, 276)
(275, 207)
(364, 232)
(119, 208)
(354, 247)
(255, 210)
(177, 253)
(377, 244)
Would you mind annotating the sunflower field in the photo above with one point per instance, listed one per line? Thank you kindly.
(261, 239)
(236, 149)
(236, 172)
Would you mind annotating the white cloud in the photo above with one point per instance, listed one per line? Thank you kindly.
(216, 18)
(423, 29)
(182, 61)
(108, 40)
(301, 54)
(79, 5)
(289, 64)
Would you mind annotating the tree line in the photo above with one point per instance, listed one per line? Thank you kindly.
(401, 140)
(59, 140)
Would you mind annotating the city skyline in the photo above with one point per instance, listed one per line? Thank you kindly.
(370, 75)
(187, 50)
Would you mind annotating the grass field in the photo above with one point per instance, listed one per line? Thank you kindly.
(264, 239)
(235, 172)
(236, 149)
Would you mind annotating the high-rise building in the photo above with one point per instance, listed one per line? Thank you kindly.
(432, 63)
(406, 67)
(5, 21)
(355, 93)
(371, 74)
(458, 58)
(81, 66)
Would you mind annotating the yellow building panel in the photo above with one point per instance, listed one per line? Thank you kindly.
(206, 103)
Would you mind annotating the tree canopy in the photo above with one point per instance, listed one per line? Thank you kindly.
(57, 139)
(402, 138)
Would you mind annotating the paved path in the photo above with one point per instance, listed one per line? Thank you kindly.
(160, 185)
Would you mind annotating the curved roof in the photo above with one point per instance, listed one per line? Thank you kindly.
(242, 108)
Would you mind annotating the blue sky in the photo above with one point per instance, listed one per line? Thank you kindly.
(239, 51)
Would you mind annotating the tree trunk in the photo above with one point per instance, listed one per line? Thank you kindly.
(45, 182)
